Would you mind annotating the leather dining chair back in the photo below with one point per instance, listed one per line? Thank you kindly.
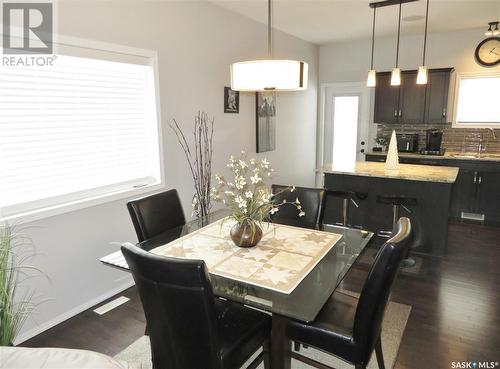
(154, 214)
(179, 306)
(311, 201)
(377, 287)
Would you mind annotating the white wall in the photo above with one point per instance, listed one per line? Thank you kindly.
(196, 42)
(350, 61)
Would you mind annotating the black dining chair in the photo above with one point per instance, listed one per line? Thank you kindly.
(154, 214)
(347, 327)
(311, 201)
(188, 327)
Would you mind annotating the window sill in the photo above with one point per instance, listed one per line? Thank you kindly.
(477, 125)
(68, 207)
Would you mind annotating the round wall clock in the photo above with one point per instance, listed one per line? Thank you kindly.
(488, 52)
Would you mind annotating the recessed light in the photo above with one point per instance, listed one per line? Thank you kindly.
(413, 18)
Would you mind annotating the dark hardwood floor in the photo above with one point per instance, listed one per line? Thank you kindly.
(455, 314)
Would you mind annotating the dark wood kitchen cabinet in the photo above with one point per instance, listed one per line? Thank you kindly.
(436, 106)
(488, 195)
(386, 100)
(411, 99)
(410, 103)
(464, 193)
(476, 189)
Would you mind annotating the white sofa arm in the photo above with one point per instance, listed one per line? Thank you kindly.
(57, 358)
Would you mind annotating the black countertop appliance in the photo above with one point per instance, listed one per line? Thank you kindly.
(433, 140)
(407, 142)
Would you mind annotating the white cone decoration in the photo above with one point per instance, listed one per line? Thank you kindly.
(392, 161)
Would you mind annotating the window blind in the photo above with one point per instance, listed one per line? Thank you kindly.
(80, 128)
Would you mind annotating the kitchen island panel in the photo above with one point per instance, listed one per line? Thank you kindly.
(429, 218)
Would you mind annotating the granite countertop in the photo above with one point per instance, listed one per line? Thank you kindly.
(455, 155)
(412, 172)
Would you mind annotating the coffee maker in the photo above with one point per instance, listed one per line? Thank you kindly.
(433, 139)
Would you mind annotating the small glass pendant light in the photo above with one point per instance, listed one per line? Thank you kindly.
(489, 31)
(396, 71)
(496, 31)
(371, 81)
(396, 77)
(422, 75)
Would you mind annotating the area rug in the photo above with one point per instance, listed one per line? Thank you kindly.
(396, 317)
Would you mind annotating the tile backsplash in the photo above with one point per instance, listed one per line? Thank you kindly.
(454, 139)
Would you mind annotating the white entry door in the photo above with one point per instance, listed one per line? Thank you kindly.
(344, 131)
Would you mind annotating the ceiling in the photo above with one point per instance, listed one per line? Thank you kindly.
(325, 21)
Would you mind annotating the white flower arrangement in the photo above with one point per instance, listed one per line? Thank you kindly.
(247, 195)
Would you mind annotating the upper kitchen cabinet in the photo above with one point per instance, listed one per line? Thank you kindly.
(410, 103)
(411, 99)
(436, 107)
(386, 100)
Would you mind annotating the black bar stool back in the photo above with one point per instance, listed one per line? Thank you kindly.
(311, 201)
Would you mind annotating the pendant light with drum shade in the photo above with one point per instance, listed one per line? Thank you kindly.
(269, 74)
(396, 71)
(371, 81)
(422, 75)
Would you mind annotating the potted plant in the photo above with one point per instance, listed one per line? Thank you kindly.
(380, 143)
(16, 301)
(249, 198)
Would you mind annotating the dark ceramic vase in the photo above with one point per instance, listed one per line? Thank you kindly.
(243, 236)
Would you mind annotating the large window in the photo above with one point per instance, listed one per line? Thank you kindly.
(82, 129)
(477, 100)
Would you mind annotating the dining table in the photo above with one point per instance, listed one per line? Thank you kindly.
(290, 274)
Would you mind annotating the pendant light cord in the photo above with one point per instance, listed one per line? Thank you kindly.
(399, 32)
(425, 32)
(269, 29)
(373, 36)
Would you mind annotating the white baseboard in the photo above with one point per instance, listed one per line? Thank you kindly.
(129, 282)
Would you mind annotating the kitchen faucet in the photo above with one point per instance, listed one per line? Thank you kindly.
(493, 134)
(481, 147)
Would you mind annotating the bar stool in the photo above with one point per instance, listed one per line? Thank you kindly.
(397, 203)
(347, 197)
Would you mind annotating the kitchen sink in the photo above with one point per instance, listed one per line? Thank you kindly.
(465, 156)
(475, 156)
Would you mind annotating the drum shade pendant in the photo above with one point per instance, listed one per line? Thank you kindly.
(371, 81)
(422, 70)
(270, 74)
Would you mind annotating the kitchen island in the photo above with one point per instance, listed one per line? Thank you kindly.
(430, 186)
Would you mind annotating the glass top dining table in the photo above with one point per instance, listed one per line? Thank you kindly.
(308, 297)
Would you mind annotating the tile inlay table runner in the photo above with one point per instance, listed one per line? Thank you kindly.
(280, 261)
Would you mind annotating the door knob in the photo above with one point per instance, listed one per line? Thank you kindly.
(362, 143)
(362, 150)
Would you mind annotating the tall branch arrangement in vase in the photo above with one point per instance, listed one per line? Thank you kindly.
(199, 158)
